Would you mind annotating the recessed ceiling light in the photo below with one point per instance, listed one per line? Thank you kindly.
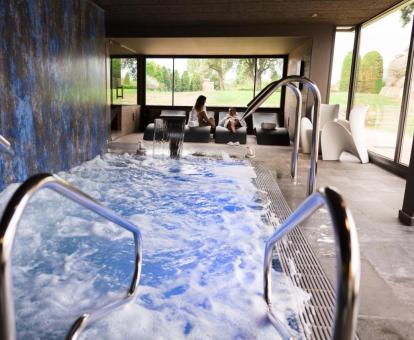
(314, 15)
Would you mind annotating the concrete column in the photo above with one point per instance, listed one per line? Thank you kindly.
(406, 214)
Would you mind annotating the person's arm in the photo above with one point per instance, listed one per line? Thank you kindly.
(242, 121)
(223, 121)
(202, 117)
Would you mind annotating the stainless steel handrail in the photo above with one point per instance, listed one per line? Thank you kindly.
(347, 254)
(271, 88)
(5, 146)
(8, 227)
(295, 150)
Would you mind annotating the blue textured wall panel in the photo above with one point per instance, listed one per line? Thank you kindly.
(52, 85)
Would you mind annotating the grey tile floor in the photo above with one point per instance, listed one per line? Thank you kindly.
(374, 197)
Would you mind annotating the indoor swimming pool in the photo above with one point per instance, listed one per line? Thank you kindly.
(204, 224)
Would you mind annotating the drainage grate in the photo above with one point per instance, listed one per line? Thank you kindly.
(317, 319)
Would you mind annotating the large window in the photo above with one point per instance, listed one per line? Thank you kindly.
(224, 81)
(341, 70)
(124, 81)
(159, 81)
(267, 71)
(380, 80)
(407, 140)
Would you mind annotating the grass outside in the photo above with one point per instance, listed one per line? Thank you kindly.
(214, 98)
(129, 98)
(383, 113)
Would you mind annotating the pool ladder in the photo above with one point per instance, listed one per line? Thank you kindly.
(8, 227)
(348, 262)
(290, 82)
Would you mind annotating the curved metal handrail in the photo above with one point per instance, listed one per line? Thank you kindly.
(295, 150)
(272, 87)
(347, 253)
(8, 227)
(5, 146)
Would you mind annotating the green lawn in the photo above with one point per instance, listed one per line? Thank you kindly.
(383, 113)
(214, 98)
(130, 97)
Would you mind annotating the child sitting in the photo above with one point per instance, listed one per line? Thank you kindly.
(232, 121)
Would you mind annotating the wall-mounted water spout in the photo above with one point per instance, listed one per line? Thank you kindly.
(5, 146)
(289, 81)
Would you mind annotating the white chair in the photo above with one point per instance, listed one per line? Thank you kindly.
(343, 135)
(328, 113)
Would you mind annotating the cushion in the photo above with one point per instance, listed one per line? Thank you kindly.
(268, 126)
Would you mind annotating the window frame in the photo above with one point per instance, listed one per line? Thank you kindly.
(284, 57)
(393, 165)
(124, 56)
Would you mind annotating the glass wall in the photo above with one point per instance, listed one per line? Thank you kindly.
(224, 81)
(267, 71)
(341, 70)
(124, 81)
(407, 140)
(159, 81)
(381, 73)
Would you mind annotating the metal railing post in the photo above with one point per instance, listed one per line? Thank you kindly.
(348, 270)
(8, 227)
(295, 150)
(271, 88)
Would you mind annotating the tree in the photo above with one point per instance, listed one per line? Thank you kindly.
(131, 65)
(371, 73)
(116, 72)
(247, 68)
(406, 14)
(166, 78)
(345, 72)
(126, 81)
(196, 82)
(185, 81)
(221, 67)
(177, 81)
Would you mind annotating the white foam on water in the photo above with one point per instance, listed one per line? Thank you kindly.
(203, 229)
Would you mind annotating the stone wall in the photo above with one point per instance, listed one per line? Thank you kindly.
(52, 85)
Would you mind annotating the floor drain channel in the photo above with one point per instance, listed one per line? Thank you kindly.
(317, 319)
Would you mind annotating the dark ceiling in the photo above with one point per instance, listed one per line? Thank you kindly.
(186, 13)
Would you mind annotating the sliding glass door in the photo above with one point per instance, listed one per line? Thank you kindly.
(382, 64)
(341, 70)
(407, 139)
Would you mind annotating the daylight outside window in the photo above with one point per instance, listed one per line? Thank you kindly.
(159, 81)
(224, 81)
(124, 81)
(341, 70)
(380, 80)
(407, 140)
(267, 71)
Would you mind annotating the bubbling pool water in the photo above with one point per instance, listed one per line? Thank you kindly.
(204, 227)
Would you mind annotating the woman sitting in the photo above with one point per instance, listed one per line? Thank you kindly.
(198, 115)
(232, 121)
